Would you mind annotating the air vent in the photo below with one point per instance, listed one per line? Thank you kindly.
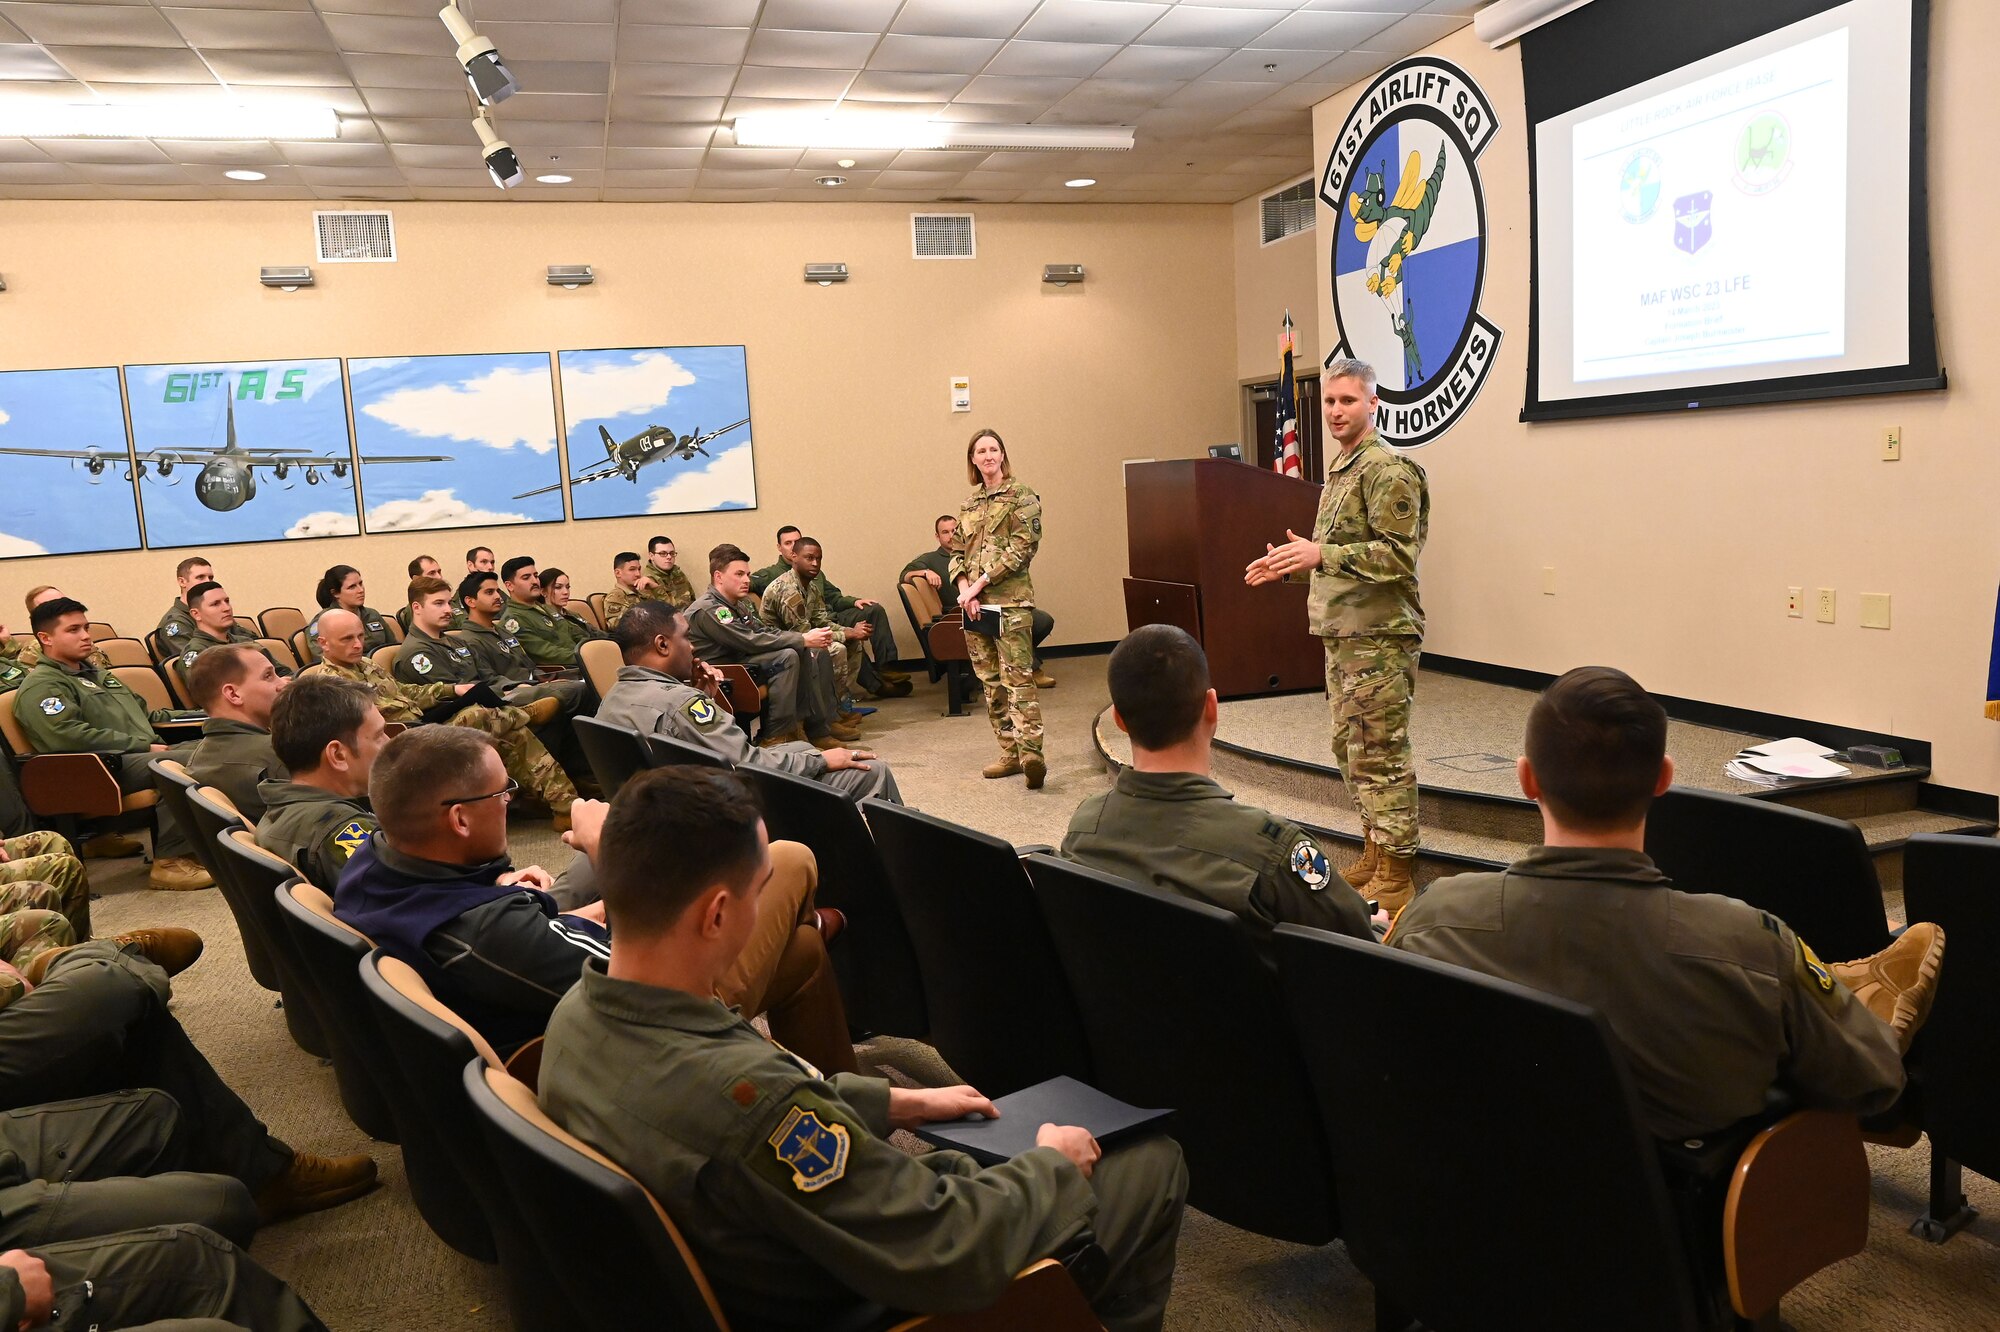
(349, 237)
(941, 235)
(1289, 211)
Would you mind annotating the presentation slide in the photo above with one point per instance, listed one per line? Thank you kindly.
(1710, 221)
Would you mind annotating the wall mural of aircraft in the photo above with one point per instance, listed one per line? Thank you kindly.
(228, 476)
(653, 444)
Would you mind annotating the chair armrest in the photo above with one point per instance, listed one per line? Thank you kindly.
(1034, 849)
(1798, 1202)
(70, 784)
(1044, 1298)
(525, 1063)
(947, 641)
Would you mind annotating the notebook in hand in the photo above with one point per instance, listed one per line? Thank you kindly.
(987, 622)
(1057, 1101)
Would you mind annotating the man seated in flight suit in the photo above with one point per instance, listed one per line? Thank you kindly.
(326, 731)
(1168, 824)
(526, 615)
(781, 1176)
(426, 566)
(176, 625)
(502, 661)
(1713, 1002)
(236, 686)
(725, 628)
(215, 623)
(183, 1277)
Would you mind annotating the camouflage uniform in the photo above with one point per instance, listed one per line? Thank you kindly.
(26, 932)
(998, 531)
(669, 585)
(1374, 514)
(528, 760)
(45, 859)
(618, 600)
(790, 606)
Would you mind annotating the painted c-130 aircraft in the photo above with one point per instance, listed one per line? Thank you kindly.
(228, 476)
(652, 444)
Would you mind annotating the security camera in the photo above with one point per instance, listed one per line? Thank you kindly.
(502, 162)
(489, 76)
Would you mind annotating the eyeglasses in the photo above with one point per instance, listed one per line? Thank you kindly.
(504, 793)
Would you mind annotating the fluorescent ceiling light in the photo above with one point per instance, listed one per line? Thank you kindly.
(1081, 182)
(204, 119)
(244, 175)
(783, 129)
(553, 180)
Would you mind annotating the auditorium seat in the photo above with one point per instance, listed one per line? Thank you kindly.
(596, 601)
(1494, 1169)
(1129, 953)
(99, 631)
(66, 791)
(280, 622)
(330, 956)
(257, 874)
(207, 816)
(1810, 871)
(664, 751)
(1000, 1008)
(126, 652)
(385, 657)
(452, 1178)
(942, 638)
(145, 684)
(600, 660)
(282, 654)
(1955, 883)
(301, 645)
(874, 960)
(745, 696)
(614, 753)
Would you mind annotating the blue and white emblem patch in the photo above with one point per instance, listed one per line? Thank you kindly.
(173, 629)
(1309, 863)
(51, 706)
(815, 1151)
(420, 663)
(701, 710)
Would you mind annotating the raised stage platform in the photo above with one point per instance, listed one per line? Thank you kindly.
(1275, 751)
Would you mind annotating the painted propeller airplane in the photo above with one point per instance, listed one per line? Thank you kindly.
(228, 476)
(653, 444)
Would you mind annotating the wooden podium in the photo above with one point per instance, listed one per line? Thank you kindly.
(1192, 525)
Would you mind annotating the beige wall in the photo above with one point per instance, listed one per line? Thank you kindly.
(854, 435)
(1271, 279)
(1674, 538)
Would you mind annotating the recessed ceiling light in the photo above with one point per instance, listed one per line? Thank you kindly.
(244, 175)
(846, 163)
(830, 182)
(1080, 182)
(554, 179)
(169, 119)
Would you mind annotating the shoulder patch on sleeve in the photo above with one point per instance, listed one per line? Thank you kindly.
(351, 836)
(723, 615)
(187, 658)
(745, 1093)
(420, 663)
(173, 629)
(813, 1149)
(701, 710)
(1812, 970)
(1309, 863)
(51, 706)
(513, 625)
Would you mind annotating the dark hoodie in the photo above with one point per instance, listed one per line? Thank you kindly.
(499, 955)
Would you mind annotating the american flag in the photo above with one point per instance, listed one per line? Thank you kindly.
(1285, 457)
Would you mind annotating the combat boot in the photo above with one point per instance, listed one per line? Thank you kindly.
(168, 947)
(1391, 887)
(110, 846)
(1898, 983)
(178, 874)
(1361, 871)
(887, 688)
(1037, 768)
(1043, 680)
(789, 735)
(843, 731)
(312, 1183)
(893, 677)
(1007, 765)
(542, 710)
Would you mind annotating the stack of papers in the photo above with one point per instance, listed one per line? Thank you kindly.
(1779, 761)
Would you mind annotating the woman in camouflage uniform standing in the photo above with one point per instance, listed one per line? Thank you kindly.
(999, 528)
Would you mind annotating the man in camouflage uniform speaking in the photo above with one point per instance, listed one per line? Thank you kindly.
(1362, 562)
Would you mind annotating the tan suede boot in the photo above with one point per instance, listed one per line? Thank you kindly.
(1898, 983)
(1392, 887)
(1007, 765)
(1361, 871)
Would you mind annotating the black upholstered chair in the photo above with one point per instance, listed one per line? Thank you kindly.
(207, 822)
(874, 959)
(1129, 953)
(1955, 883)
(1494, 1169)
(1811, 871)
(1000, 1008)
(330, 953)
(253, 875)
(614, 753)
(663, 751)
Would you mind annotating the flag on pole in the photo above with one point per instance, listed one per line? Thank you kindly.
(1285, 456)
(1993, 672)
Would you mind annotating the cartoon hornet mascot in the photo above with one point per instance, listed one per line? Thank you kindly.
(1395, 227)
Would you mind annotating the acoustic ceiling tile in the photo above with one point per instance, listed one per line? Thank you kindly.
(1076, 59)
(337, 154)
(963, 18)
(93, 25)
(869, 16)
(732, 178)
(101, 150)
(676, 178)
(647, 134)
(652, 159)
(30, 63)
(934, 55)
(810, 50)
(251, 30)
(668, 44)
(646, 196)
(1272, 66)
(883, 85)
(797, 106)
(711, 13)
(1117, 21)
(568, 40)
(1416, 32)
(419, 103)
(562, 76)
(396, 130)
(283, 69)
(44, 171)
(992, 89)
(123, 64)
(1316, 30)
(1162, 62)
(251, 153)
(1202, 25)
(486, 12)
(747, 158)
(407, 71)
(674, 80)
(381, 34)
(555, 106)
(768, 81)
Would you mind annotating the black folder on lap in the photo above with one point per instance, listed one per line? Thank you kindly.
(1057, 1101)
(986, 623)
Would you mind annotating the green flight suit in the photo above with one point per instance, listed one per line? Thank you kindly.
(234, 757)
(423, 660)
(793, 1201)
(762, 578)
(176, 626)
(505, 665)
(375, 633)
(92, 712)
(316, 830)
(144, 1278)
(1182, 832)
(543, 634)
(457, 619)
(1712, 1001)
(201, 641)
(800, 681)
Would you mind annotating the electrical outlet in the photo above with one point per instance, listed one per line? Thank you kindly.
(1548, 580)
(1795, 602)
(1826, 605)
(1874, 610)
(1892, 444)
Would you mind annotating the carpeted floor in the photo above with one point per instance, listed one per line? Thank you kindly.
(373, 1265)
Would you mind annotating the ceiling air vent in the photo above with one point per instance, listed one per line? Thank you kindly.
(1288, 212)
(350, 237)
(941, 235)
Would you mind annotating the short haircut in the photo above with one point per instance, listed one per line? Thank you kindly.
(473, 554)
(514, 566)
(672, 833)
(725, 555)
(200, 590)
(654, 543)
(1595, 740)
(640, 622)
(972, 468)
(1347, 367)
(44, 616)
(1158, 678)
(190, 564)
(28, 602)
(469, 585)
(942, 519)
(786, 528)
(420, 767)
(423, 587)
(331, 582)
(312, 713)
(623, 558)
(807, 541)
(416, 566)
(218, 666)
